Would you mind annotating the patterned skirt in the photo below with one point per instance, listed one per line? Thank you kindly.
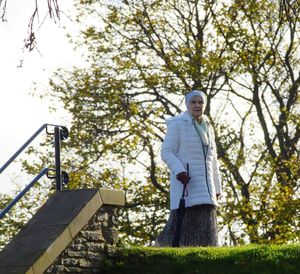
(199, 227)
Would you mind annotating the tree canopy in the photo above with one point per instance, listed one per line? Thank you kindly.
(142, 57)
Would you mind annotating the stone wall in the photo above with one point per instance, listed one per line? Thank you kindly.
(86, 252)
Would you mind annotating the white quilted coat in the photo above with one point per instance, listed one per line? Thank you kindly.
(183, 145)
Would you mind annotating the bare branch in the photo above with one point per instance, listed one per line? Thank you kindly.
(3, 6)
(54, 14)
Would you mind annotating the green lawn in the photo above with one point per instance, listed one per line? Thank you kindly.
(273, 259)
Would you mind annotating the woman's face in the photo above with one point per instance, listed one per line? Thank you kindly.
(196, 107)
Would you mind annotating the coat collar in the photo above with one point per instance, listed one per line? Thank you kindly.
(182, 116)
(187, 117)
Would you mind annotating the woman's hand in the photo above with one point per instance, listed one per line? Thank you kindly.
(183, 178)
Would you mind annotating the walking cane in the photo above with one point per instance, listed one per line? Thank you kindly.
(180, 214)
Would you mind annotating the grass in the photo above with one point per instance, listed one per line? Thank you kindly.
(273, 259)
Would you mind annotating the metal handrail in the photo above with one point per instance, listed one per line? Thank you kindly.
(22, 193)
(12, 158)
(60, 133)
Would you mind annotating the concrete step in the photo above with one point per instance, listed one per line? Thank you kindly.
(53, 227)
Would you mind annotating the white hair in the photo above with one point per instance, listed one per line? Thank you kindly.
(191, 94)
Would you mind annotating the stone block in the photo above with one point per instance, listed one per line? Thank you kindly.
(74, 254)
(70, 262)
(85, 263)
(92, 236)
(78, 247)
(112, 197)
(95, 247)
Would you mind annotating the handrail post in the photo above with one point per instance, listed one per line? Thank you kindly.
(57, 139)
(60, 133)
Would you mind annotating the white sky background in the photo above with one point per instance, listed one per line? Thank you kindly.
(21, 114)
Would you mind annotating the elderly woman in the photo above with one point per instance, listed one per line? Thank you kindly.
(190, 140)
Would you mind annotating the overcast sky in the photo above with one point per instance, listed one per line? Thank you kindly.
(21, 114)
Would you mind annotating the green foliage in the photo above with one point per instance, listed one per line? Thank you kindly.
(247, 259)
(142, 57)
